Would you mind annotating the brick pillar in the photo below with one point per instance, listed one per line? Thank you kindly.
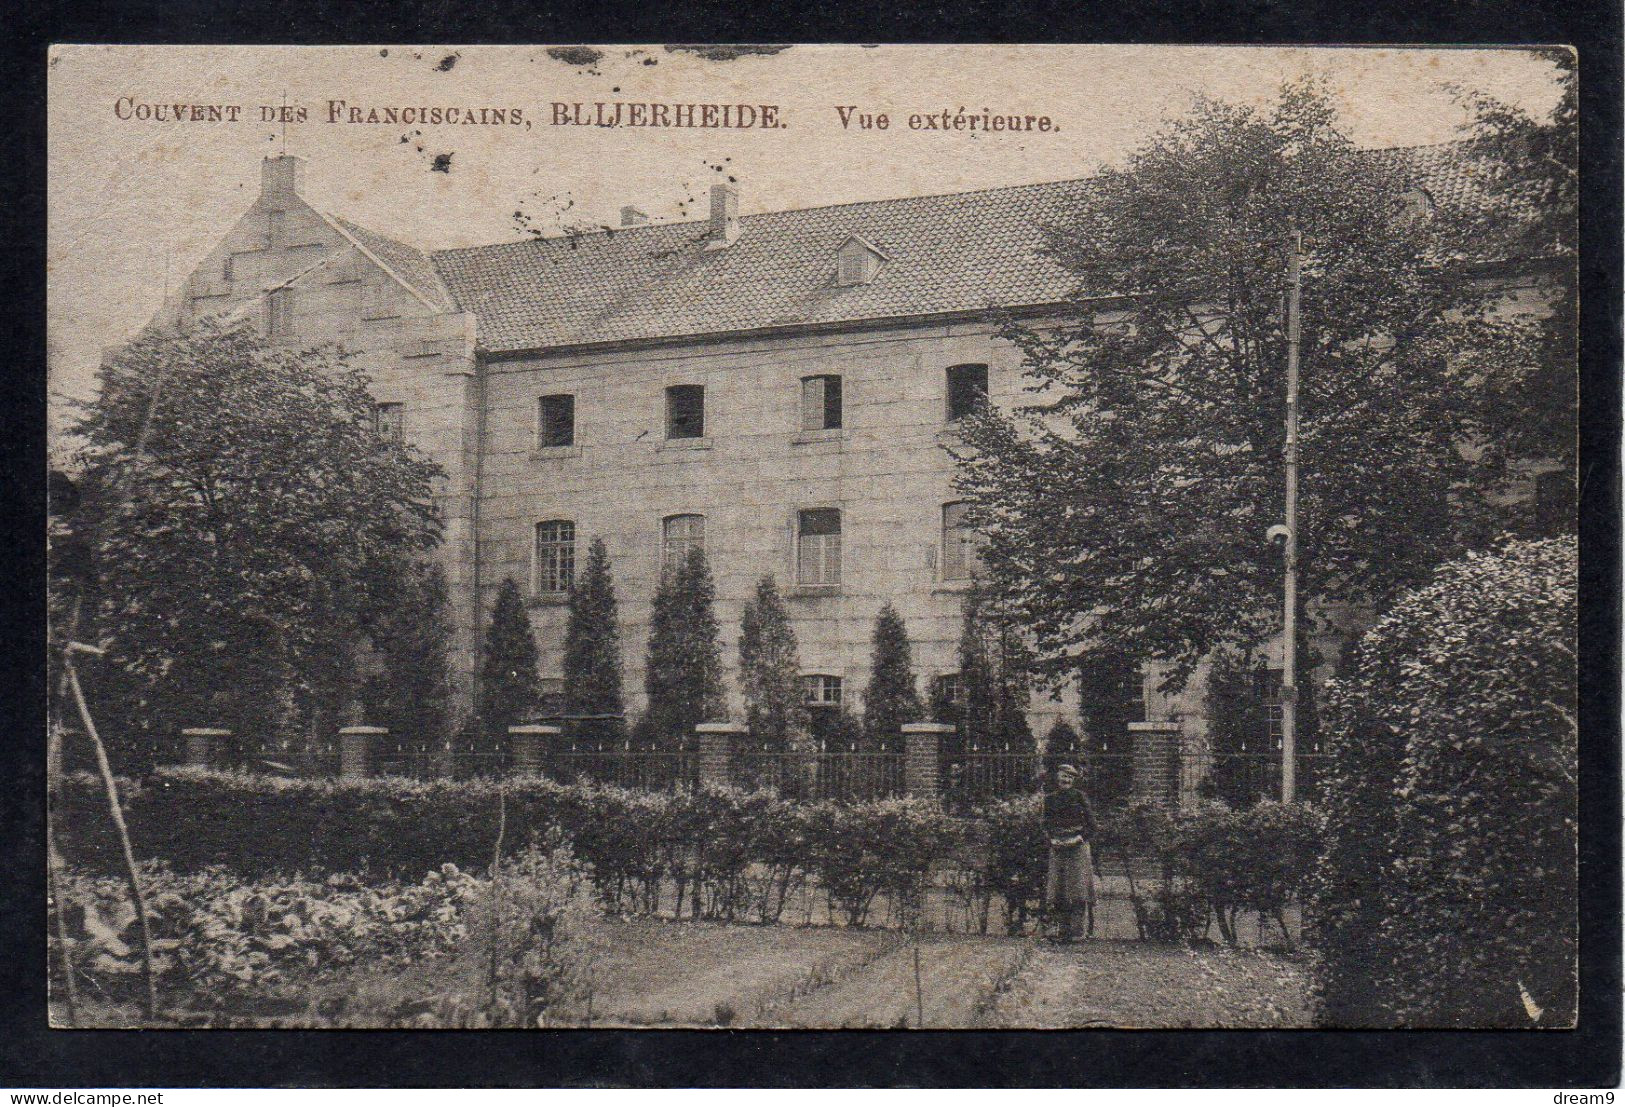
(717, 750)
(1156, 747)
(922, 748)
(355, 749)
(527, 742)
(203, 745)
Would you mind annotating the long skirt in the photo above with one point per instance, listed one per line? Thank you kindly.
(1071, 879)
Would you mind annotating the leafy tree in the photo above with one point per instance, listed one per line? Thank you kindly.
(993, 671)
(240, 513)
(1447, 891)
(891, 699)
(770, 672)
(412, 693)
(592, 645)
(1126, 504)
(683, 676)
(509, 688)
(1532, 166)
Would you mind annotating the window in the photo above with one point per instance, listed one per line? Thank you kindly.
(961, 546)
(685, 411)
(1269, 692)
(555, 557)
(275, 228)
(951, 690)
(818, 547)
(389, 420)
(967, 388)
(821, 402)
(556, 421)
(279, 312)
(679, 535)
(823, 690)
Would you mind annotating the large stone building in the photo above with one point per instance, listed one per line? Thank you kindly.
(778, 387)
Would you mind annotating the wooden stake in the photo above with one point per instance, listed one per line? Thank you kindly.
(123, 835)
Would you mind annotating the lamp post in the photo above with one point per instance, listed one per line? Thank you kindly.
(1289, 620)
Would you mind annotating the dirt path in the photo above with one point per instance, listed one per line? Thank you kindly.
(703, 974)
(1136, 985)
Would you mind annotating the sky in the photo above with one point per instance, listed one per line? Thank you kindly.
(135, 204)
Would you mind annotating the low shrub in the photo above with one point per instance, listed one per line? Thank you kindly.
(1255, 860)
(1017, 853)
(861, 851)
(531, 944)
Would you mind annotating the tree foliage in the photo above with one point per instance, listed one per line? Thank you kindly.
(411, 693)
(683, 676)
(1448, 888)
(1532, 166)
(891, 699)
(592, 644)
(770, 672)
(1126, 502)
(244, 520)
(994, 675)
(509, 686)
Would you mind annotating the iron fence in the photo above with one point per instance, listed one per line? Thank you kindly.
(1244, 779)
(848, 774)
(967, 778)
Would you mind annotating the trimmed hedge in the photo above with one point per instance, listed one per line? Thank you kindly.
(1449, 886)
(723, 853)
(716, 853)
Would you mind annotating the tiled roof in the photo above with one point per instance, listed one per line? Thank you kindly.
(954, 253)
(410, 264)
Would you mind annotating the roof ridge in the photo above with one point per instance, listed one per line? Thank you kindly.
(647, 227)
(607, 230)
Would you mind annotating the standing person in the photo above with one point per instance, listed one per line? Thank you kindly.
(1069, 824)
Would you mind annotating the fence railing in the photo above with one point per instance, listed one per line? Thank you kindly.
(819, 774)
(964, 778)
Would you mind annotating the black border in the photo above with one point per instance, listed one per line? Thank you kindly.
(31, 1055)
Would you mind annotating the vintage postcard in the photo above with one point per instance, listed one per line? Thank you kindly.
(813, 536)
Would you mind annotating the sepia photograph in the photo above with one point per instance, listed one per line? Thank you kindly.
(813, 537)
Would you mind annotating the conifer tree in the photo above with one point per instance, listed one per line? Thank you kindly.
(891, 698)
(993, 671)
(592, 647)
(411, 695)
(770, 672)
(683, 676)
(508, 684)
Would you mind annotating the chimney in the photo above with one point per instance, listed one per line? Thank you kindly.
(632, 217)
(724, 216)
(281, 180)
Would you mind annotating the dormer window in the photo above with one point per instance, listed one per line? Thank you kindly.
(1415, 206)
(858, 261)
